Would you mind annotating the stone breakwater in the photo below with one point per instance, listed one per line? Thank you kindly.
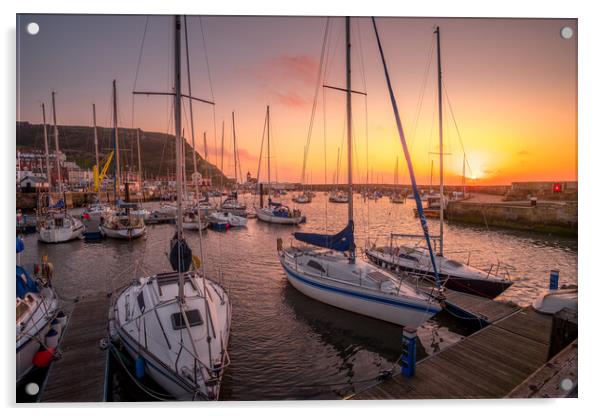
(548, 217)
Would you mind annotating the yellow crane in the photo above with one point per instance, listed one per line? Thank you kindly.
(99, 177)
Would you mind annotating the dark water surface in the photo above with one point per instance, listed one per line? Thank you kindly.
(284, 345)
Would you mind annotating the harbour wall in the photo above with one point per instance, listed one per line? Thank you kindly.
(28, 201)
(547, 217)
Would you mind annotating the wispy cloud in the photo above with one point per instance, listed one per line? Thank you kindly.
(523, 153)
(289, 78)
(291, 99)
(298, 67)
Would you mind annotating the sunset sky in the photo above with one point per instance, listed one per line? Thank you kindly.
(512, 84)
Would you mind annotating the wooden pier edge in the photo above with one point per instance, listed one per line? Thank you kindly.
(547, 381)
(79, 375)
(490, 363)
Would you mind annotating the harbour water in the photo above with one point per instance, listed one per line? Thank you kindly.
(284, 345)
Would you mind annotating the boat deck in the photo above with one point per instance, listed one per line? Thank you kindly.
(79, 375)
(490, 363)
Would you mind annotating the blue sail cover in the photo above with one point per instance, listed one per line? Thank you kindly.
(342, 241)
(60, 204)
(180, 256)
(24, 283)
(20, 245)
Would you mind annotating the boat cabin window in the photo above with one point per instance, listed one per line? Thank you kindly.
(140, 299)
(193, 316)
(315, 265)
(407, 257)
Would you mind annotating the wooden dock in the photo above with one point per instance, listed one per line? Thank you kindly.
(78, 376)
(482, 310)
(488, 364)
(549, 380)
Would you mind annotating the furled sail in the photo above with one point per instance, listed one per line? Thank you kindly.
(180, 255)
(342, 241)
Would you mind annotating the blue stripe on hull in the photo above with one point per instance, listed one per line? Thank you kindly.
(362, 296)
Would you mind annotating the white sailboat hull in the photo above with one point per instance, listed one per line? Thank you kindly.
(189, 366)
(265, 215)
(391, 308)
(61, 234)
(125, 233)
(194, 226)
(38, 324)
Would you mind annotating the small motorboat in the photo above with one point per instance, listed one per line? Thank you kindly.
(433, 206)
(233, 220)
(555, 300)
(304, 198)
(338, 197)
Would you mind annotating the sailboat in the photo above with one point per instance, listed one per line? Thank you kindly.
(124, 222)
(36, 310)
(330, 272)
(56, 225)
(306, 196)
(276, 212)
(97, 209)
(176, 325)
(415, 260)
(231, 204)
(336, 196)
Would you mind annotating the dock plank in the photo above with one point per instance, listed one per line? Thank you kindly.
(487, 364)
(547, 380)
(78, 376)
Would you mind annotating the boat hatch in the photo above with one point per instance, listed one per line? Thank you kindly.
(454, 263)
(315, 265)
(193, 317)
(378, 276)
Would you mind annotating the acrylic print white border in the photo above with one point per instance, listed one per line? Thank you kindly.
(590, 149)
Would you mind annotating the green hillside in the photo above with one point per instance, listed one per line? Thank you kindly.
(77, 142)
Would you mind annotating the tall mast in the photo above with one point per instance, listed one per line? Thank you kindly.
(349, 135)
(442, 200)
(57, 152)
(178, 128)
(183, 145)
(269, 179)
(48, 178)
(96, 144)
(194, 167)
(222, 158)
(206, 155)
(116, 181)
(235, 161)
(139, 159)
(338, 165)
